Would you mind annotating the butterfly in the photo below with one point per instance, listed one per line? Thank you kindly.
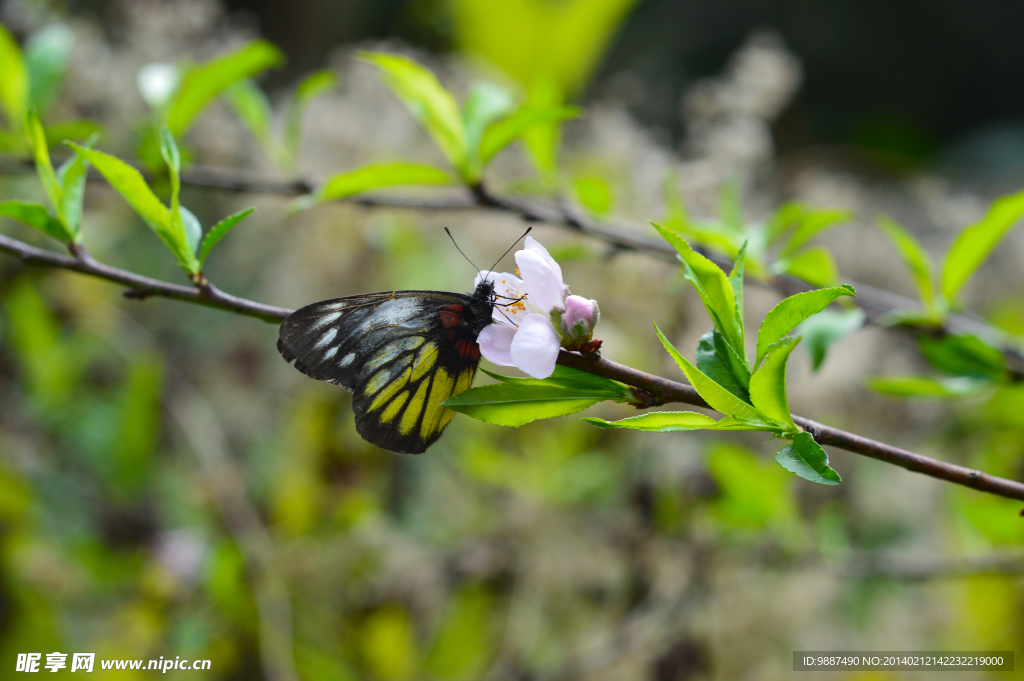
(401, 353)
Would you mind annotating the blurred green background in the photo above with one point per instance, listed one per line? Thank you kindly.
(170, 487)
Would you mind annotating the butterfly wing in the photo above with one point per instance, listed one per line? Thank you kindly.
(402, 353)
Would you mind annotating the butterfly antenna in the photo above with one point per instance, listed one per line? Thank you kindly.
(528, 230)
(460, 250)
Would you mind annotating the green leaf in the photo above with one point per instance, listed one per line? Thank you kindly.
(203, 83)
(253, 108)
(314, 85)
(715, 395)
(13, 80)
(963, 355)
(44, 168)
(432, 105)
(184, 227)
(309, 88)
(736, 281)
(46, 58)
(172, 157)
(785, 216)
(521, 400)
(193, 231)
(373, 177)
(594, 193)
(504, 132)
(806, 458)
(383, 175)
(660, 422)
(35, 215)
(768, 384)
(710, 234)
(827, 327)
(917, 260)
(719, 362)
(563, 41)
(927, 387)
(569, 377)
(675, 421)
(810, 223)
(130, 184)
(714, 288)
(785, 316)
(72, 176)
(813, 265)
(975, 243)
(542, 141)
(220, 230)
(485, 103)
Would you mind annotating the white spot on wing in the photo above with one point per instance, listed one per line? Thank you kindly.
(327, 319)
(395, 311)
(327, 338)
(347, 359)
(330, 353)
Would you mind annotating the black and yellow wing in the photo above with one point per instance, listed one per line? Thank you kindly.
(401, 353)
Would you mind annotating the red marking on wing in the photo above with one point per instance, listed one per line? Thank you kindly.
(450, 315)
(467, 348)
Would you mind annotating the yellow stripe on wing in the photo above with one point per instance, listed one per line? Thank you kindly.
(425, 360)
(415, 408)
(386, 391)
(396, 406)
(443, 386)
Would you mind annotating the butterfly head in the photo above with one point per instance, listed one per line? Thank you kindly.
(485, 291)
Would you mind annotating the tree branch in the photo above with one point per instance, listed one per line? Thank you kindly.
(662, 390)
(666, 391)
(140, 287)
(875, 302)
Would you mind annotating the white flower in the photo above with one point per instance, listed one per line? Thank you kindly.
(157, 82)
(524, 334)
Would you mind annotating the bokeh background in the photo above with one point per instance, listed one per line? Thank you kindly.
(170, 487)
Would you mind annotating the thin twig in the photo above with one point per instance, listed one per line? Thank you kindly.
(140, 287)
(876, 302)
(666, 391)
(661, 389)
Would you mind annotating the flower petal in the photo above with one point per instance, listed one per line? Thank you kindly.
(543, 283)
(503, 282)
(496, 344)
(535, 346)
(535, 246)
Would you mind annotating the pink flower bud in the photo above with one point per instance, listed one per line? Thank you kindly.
(576, 324)
(577, 309)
